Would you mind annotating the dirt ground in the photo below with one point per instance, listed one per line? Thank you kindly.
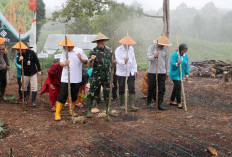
(208, 123)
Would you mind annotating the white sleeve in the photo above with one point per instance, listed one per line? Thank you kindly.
(118, 58)
(134, 63)
(63, 57)
(83, 55)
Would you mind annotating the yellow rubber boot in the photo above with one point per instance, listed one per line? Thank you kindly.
(58, 110)
(73, 108)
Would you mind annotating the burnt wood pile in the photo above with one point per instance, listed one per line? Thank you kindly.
(211, 68)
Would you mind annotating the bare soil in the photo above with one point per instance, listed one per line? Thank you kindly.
(208, 123)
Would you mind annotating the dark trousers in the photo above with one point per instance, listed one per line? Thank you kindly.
(64, 92)
(3, 78)
(19, 90)
(152, 87)
(176, 92)
(130, 82)
(115, 88)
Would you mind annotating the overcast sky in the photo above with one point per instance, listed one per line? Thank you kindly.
(157, 4)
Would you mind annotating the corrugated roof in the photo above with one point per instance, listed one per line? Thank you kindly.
(83, 41)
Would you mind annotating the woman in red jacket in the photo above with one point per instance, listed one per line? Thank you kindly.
(53, 83)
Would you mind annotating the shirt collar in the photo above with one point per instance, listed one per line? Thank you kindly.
(123, 48)
(179, 54)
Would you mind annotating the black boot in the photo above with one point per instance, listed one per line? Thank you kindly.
(25, 98)
(2, 92)
(149, 105)
(161, 107)
(33, 99)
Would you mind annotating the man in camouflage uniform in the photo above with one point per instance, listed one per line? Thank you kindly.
(4, 67)
(100, 59)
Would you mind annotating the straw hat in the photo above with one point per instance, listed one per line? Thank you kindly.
(17, 46)
(69, 43)
(99, 37)
(127, 40)
(2, 40)
(163, 40)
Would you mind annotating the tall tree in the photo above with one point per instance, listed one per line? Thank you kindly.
(40, 16)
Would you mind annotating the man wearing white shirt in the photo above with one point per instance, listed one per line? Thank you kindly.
(122, 60)
(76, 57)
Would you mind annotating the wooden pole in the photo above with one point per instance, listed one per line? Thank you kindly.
(20, 51)
(166, 17)
(156, 74)
(41, 74)
(181, 78)
(126, 86)
(69, 84)
(111, 77)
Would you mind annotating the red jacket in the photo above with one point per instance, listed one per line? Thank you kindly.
(54, 78)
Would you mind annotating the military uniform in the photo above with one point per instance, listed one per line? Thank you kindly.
(100, 74)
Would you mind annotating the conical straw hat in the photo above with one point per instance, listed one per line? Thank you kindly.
(23, 46)
(99, 37)
(2, 40)
(127, 39)
(163, 40)
(69, 43)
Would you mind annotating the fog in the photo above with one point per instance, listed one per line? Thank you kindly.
(157, 4)
(204, 26)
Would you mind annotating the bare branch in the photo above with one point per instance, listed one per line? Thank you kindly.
(152, 16)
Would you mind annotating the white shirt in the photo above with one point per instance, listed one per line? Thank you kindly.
(75, 66)
(120, 55)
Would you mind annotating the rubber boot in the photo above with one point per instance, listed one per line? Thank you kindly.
(89, 107)
(122, 102)
(160, 106)
(58, 110)
(2, 92)
(33, 97)
(132, 102)
(25, 98)
(149, 105)
(73, 108)
(110, 109)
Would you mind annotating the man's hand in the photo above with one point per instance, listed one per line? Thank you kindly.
(167, 76)
(52, 87)
(66, 62)
(20, 58)
(126, 60)
(79, 56)
(39, 72)
(136, 74)
(93, 57)
(7, 68)
(157, 55)
(114, 62)
(179, 62)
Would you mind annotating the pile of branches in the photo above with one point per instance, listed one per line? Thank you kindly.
(210, 68)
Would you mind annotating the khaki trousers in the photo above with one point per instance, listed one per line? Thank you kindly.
(33, 82)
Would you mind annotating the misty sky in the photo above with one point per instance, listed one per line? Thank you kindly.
(157, 4)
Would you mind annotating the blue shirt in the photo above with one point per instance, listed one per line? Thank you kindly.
(19, 68)
(174, 73)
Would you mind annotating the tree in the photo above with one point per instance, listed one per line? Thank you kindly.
(92, 16)
(40, 17)
(198, 25)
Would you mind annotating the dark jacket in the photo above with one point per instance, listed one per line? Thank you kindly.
(3, 59)
(31, 63)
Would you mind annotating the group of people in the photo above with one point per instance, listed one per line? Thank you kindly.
(100, 60)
